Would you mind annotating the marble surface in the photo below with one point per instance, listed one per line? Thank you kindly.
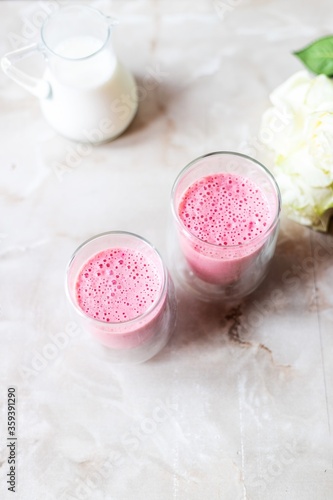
(239, 404)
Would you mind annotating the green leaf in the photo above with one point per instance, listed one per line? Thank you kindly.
(318, 56)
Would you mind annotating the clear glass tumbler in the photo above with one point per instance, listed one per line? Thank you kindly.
(223, 271)
(138, 339)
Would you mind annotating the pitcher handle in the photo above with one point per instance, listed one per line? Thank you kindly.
(37, 86)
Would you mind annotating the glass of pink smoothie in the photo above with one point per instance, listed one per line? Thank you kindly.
(226, 209)
(123, 295)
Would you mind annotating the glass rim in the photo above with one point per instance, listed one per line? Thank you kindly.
(150, 309)
(224, 153)
(72, 8)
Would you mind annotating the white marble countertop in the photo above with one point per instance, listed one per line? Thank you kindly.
(239, 404)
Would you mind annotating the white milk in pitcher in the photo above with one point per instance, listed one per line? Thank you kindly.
(93, 96)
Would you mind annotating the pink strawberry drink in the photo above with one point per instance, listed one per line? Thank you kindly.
(120, 287)
(227, 219)
(118, 284)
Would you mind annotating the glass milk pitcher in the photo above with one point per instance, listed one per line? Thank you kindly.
(86, 94)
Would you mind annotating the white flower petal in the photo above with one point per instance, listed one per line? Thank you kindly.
(292, 93)
(298, 128)
(319, 94)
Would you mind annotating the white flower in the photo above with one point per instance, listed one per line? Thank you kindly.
(298, 128)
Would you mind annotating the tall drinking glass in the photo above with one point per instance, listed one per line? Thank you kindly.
(226, 210)
(122, 294)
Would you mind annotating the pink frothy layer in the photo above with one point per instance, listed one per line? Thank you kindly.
(228, 213)
(118, 285)
(225, 209)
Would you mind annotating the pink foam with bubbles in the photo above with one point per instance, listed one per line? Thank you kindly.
(118, 284)
(225, 209)
(231, 213)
